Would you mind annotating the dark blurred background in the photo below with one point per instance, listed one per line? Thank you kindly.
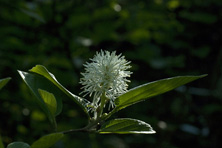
(161, 38)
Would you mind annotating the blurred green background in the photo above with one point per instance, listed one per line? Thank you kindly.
(161, 38)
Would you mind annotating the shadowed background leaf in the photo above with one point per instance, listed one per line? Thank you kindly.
(3, 82)
(18, 145)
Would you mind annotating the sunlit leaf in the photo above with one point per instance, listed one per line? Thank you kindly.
(18, 145)
(49, 100)
(41, 70)
(47, 141)
(126, 126)
(152, 89)
(36, 82)
(3, 82)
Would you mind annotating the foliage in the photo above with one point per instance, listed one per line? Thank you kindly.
(3, 82)
(44, 142)
(48, 102)
(161, 38)
(126, 126)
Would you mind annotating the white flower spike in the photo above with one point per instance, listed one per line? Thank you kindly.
(105, 75)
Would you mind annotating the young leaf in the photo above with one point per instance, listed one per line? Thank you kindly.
(36, 82)
(49, 100)
(51, 104)
(151, 89)
(3, 82)
(41, 70)
(126, 126)
(47, 141)
(18, 145)
(1, 143)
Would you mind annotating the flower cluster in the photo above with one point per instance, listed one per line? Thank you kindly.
(105, 75)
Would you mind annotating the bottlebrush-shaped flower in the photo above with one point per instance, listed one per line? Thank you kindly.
(105, 75)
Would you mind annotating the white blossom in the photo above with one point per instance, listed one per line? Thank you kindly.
(105, 74)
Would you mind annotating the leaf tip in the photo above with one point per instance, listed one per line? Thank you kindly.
(204, 75)
(35, 67)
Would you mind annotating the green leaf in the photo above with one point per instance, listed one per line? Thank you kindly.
(151, 89)
(1, 143)
(18, 145)
(126, 126)
(41, 70)
(47, 141)
(36, 82)
(3, 82)
(49, 100)
(33, 15)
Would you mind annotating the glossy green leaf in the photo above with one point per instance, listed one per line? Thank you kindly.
(18, 145)
(1, 143)
(152, 89)
(49, 100)
(36, 82)
(126, 126)
(41, 70)
(3, 82)
(47, 141)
